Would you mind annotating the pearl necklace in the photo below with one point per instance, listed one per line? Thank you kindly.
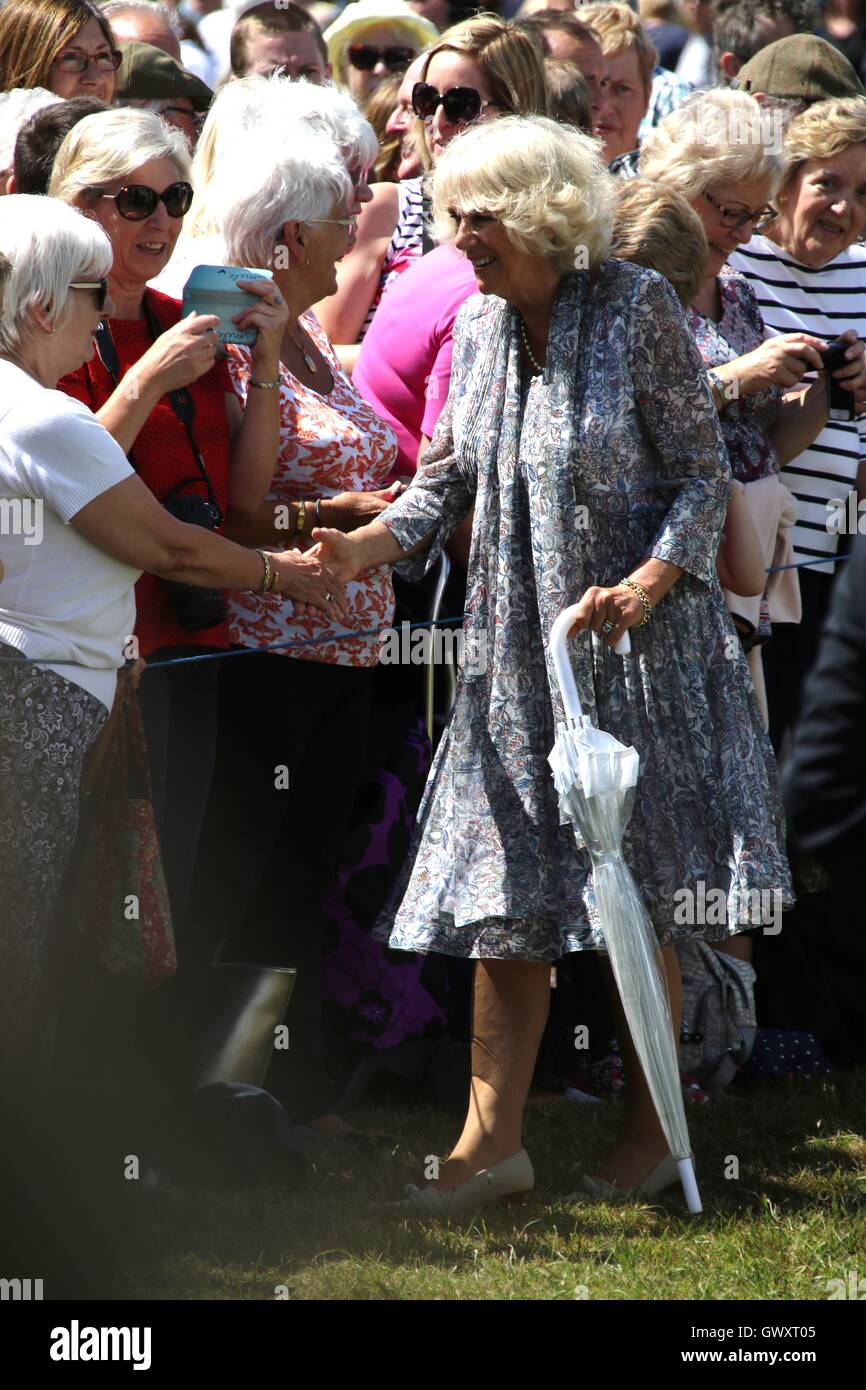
(529, 353)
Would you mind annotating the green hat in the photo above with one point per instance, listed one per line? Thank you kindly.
(148, 74)
(802, 67)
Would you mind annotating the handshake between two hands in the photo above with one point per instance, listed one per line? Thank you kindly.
(335, 558)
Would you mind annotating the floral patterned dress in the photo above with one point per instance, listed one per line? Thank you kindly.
(615, 455)
(329, 443)
(744, 422)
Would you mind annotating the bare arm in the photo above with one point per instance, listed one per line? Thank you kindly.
(365, 549)
(255, 429)
(802, 416)
(128, 523)
(342, 314)
(181, 355)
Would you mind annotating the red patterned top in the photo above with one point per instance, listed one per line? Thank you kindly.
(328, 444)
(163, 457)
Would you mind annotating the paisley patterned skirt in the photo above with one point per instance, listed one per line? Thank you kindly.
(492, 873)
(47, 725)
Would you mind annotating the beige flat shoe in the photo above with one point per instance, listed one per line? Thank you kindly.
(665, 1174)
(509, 1178)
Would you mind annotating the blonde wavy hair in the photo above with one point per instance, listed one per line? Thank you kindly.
(618, 28)
(511, 59)
(824, 130)
(655, 227)
(720, 136)
(544, 183)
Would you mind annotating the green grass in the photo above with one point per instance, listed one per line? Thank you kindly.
(795, 1217)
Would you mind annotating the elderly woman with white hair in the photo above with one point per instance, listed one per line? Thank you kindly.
(156, 386)
(580, 426)
(715, 152)
(86, 528)
(248, 111)
(286, 201)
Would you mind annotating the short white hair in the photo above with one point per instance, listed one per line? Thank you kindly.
(719, 136)
(544, 183)
(48, 245)
(253, 111)
(111, 145)
(261, 188)
(166, 13)
(16, 108)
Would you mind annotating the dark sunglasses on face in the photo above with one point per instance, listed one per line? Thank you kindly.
(101, 287)
(460, 104)
(135, 201)
(364, 57)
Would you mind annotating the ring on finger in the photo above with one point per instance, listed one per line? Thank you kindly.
(607, 628)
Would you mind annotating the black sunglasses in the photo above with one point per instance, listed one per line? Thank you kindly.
(136, 201)
(101, 287)
(365, 57)
(460, 104)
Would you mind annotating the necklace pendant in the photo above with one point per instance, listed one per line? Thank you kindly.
(308, 361)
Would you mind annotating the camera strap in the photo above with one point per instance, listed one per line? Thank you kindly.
(180, 399)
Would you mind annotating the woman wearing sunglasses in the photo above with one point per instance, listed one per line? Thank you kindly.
(64, 45)
(67, 600)
(373, 38)
(479, 70)
(199, 453)
(714, 151)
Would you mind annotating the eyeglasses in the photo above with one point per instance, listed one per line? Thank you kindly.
(460, 104)
(334, 221)
(731, 217)
(135, 201)
(101, 287)
(108, 60)
(364, 57)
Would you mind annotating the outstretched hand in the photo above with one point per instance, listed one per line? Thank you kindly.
(337, 552)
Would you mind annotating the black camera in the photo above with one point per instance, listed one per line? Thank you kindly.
(195, 607)
(841, 401)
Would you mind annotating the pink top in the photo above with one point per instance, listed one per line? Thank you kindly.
(328, 444)
(404, 366)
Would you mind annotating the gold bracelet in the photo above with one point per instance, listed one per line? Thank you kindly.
(264, 385)
(642, 595)
(268, 575)
(301, 519)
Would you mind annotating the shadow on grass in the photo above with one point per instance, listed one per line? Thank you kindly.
(777, 1149)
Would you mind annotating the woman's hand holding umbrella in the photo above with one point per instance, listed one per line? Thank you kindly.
(619, 608)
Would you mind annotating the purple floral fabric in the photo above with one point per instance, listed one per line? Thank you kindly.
(744, 422)
(616, 455)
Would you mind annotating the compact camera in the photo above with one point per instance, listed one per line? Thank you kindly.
(195, 607)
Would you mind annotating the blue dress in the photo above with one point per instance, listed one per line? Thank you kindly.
(612, 456)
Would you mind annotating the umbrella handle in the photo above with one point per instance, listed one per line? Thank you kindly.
(562, 665)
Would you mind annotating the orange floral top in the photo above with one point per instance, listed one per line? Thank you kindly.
(328, 444)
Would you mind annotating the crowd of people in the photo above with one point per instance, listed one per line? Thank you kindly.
(559, 305)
